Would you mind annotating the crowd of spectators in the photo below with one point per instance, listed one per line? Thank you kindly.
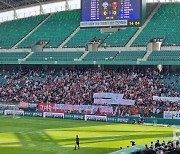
(77, 86)
(171, 147)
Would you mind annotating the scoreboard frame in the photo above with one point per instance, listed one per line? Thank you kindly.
(113, 23)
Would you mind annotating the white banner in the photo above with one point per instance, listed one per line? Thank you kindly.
(108, 96)
(170, 99)
(107, 23)
(7, 106)
(53, 115)
(95, 117)
(116, 102)
(126, 102)
(171, 115)
(11, 112)
(103, 101)
(167, 115)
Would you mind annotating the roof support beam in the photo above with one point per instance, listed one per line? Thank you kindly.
(41, 10)
(15, 14)
(7, 4)
(67, 5)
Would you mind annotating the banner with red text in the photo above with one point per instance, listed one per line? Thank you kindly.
(23, 105)
(64, 108)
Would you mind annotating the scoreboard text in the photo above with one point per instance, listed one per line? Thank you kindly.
(111, 13)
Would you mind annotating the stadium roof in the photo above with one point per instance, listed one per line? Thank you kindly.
(9, 4)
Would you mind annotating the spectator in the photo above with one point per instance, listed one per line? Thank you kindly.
(152, 146)
(157, 144)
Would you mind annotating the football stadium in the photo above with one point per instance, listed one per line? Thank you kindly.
(89, 76)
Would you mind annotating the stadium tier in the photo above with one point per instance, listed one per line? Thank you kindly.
(83, 36)
(120, 38)
(101, 57)
(12, 56)
(13, 31)
(62, 24)
(59, 26)
(164, 56)
(55, 56)
(114, 39)
(55, 30)
(164, 25)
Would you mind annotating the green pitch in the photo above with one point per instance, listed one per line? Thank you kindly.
(57, 136)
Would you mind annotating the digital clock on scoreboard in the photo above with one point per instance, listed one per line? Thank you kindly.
(111, 13)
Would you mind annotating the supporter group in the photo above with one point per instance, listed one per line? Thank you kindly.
(161, 147)
(77, 86)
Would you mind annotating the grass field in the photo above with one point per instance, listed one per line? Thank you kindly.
(57, 136)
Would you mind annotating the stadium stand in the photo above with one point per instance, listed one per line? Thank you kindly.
(115, 39)
(54, 56)
(83, 36)
(55, 30)
(164, 25)
(164, 56)
(77, 86)
(39, 77)
(13, 31)
(133, 83)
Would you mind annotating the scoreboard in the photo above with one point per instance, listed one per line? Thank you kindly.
(111, 13)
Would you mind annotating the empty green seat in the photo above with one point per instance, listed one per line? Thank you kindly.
(130, 55)
(164, 56)
(83, 36)
(100, 55)
(55, 56)
(13, 31)
(55, 30)
(12, 56)
(163, 25)
(120, 38)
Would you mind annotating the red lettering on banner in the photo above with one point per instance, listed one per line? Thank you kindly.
(46, 107)
(23, 105)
